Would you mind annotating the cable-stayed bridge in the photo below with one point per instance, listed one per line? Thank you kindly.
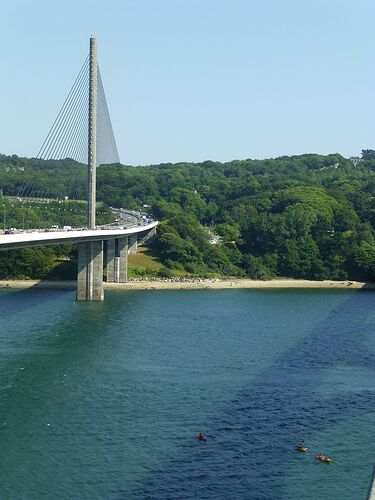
(83, 132)
(68, 135)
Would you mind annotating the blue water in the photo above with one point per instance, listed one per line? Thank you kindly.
(103, 400)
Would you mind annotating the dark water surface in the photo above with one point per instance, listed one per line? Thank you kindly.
(103, 400)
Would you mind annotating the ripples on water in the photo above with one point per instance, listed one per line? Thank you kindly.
(104, 400)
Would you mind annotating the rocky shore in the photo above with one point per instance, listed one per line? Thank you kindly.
(190, 283)
(210, 283)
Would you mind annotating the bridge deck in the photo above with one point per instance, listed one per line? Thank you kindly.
(19, 240)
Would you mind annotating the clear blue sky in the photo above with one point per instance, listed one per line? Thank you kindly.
(189, 80)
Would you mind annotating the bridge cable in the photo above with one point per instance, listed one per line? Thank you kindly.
(65, 118)
(107, 152)
(71, 131)
(41, 153)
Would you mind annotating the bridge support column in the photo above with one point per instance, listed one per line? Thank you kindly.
(111, 254)
(117, 260)
(151, 234)
(123, 248)
(90, 271)
(132, 244)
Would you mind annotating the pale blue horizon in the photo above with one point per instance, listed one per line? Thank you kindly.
(199, 79)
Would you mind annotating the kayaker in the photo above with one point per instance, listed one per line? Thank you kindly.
(201, 437)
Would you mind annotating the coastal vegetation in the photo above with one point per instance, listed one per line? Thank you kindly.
(307, 216)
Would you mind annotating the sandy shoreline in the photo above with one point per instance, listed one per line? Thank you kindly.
(193, 284)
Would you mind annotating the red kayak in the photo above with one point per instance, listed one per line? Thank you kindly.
(201, 437)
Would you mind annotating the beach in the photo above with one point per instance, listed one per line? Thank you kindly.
(176, 284)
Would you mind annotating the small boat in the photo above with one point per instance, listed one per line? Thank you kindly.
(301, 448)
(323, 458)
(201, 437)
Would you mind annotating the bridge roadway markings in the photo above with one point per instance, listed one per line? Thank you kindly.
(19, 240)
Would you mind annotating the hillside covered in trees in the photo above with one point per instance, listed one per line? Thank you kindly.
(306, 216)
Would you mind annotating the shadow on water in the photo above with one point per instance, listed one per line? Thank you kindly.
(251, 437)
(68, 322)
(23, 349)
(15, 301)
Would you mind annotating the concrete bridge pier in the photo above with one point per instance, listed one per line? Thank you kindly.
(90, 271)
(110, 247)
(132, 244)
(123, 249)
(117, 260)
(111, 255)
(150, 235)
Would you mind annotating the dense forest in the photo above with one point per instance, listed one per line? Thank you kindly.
(306, 216)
